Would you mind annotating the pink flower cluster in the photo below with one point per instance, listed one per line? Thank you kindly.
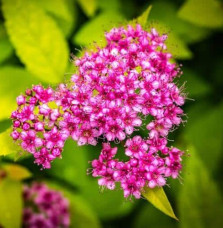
(36, 125)
(115, 91)
(142, 169)
(44, 207)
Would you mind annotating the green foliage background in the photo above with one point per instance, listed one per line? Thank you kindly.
(36, 39)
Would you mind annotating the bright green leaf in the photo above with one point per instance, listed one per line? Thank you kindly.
(208, 13)
(7, 145)
(200, 202)
(17, 172)
(14, 81)
(96, 28)
(38, 42)
(175, 45)
(11, 203)
(63, 12)
(73, 164)
(88, 6)
(158, 198)
(142, 19)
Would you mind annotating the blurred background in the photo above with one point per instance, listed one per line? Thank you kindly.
(37, 38)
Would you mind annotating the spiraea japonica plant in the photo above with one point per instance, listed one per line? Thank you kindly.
(127, 85)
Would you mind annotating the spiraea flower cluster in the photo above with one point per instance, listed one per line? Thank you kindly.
(36, 125)
(44, 207)
(126, 86)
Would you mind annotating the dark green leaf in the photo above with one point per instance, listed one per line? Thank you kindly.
(206, 135)
(148, 217)
(200, 202)
(5, 45)
(166, 12)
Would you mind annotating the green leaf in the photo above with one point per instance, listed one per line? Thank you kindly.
(73, 164)
(96, 28)
(62, 11)
(17, 172)
(142, 19)
(88, 6)
(5, 124)
(7, 144)
(166, 12)
(158, 198)
(107, 204)
(207, 125)
(200, 202)
(38, 42)
(11, 203)
(208, 13)
(147, 217)
(114, 5)
(195, 85)
(81, 214)
(175, 45)
(14, 81)
(73, 169)
(5, 45)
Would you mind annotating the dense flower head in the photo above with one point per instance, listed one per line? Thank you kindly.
(126, 86)
(44, 207)
(36, 125)
(127, 82)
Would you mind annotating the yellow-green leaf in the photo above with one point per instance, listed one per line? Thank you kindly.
(38, 41)
(158, 198)
(142, 19)
(62, 11)
(88, 6)
(10, 203)
(206, 13)
(175, 45)
(17, 172)
(14, 81)
(95, 28)
(7, 145)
